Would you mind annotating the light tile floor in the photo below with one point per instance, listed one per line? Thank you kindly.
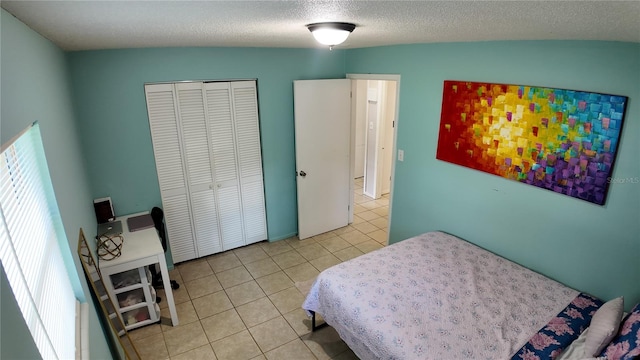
(243, 303)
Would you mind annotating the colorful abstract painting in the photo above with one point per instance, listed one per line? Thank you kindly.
(561, 140)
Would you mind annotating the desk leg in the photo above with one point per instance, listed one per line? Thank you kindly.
(168, 292)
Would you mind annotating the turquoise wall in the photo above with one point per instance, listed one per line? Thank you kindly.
(109, 100)
(35, 86)
(588, 247)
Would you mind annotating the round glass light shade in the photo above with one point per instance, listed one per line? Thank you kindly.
(331, 33)
(330, 36)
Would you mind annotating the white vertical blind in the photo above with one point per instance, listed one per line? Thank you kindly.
(29, 247)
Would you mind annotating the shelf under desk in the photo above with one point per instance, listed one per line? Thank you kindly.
(140, 248)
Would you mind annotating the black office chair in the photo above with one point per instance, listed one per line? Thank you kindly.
(158, 221)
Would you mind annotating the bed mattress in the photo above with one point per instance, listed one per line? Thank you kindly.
(435, 296)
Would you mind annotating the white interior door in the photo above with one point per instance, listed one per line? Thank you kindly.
(322, 110)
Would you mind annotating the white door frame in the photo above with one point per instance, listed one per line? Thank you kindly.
(388, 77)
(386, 135)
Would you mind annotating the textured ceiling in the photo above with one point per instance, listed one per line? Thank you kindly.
(83, 25)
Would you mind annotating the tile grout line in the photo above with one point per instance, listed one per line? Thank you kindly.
(270, 254)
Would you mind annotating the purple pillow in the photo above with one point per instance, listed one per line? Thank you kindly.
(626, 345)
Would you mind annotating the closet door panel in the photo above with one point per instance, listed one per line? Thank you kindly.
(246, 127)
(206, 224)
(193, 125)
(164, 135)
(220, 117)
(247, 131)
(221, 131)
(254, 214)
(169, 165)
(230, 217)
(194, 134)
(179, 230)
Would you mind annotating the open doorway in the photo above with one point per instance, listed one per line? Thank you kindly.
(326, 114)
(374, 119)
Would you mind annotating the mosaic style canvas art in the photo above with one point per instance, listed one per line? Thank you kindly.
(561, 140)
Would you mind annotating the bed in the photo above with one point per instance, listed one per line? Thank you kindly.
(435, 296)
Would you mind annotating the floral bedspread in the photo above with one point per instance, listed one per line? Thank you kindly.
(435, 296)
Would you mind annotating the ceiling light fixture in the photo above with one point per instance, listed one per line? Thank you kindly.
(331, 33)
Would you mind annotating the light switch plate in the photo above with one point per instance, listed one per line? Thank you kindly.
(400, 155)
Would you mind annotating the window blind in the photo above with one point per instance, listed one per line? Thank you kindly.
(30, 232)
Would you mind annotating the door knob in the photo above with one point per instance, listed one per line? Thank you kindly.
(303, 174)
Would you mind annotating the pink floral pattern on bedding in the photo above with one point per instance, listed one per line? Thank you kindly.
(559, 326)
(542, 341)
(560, 331)
(626, 345)
(435, 296)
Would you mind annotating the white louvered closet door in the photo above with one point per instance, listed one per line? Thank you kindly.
(206, 141)
(197, 159)
(225, 163)
(247, 131)
(169, 165)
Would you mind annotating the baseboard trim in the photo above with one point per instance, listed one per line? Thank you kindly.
(282, 237)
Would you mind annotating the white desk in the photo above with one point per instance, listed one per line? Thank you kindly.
(141, 248)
